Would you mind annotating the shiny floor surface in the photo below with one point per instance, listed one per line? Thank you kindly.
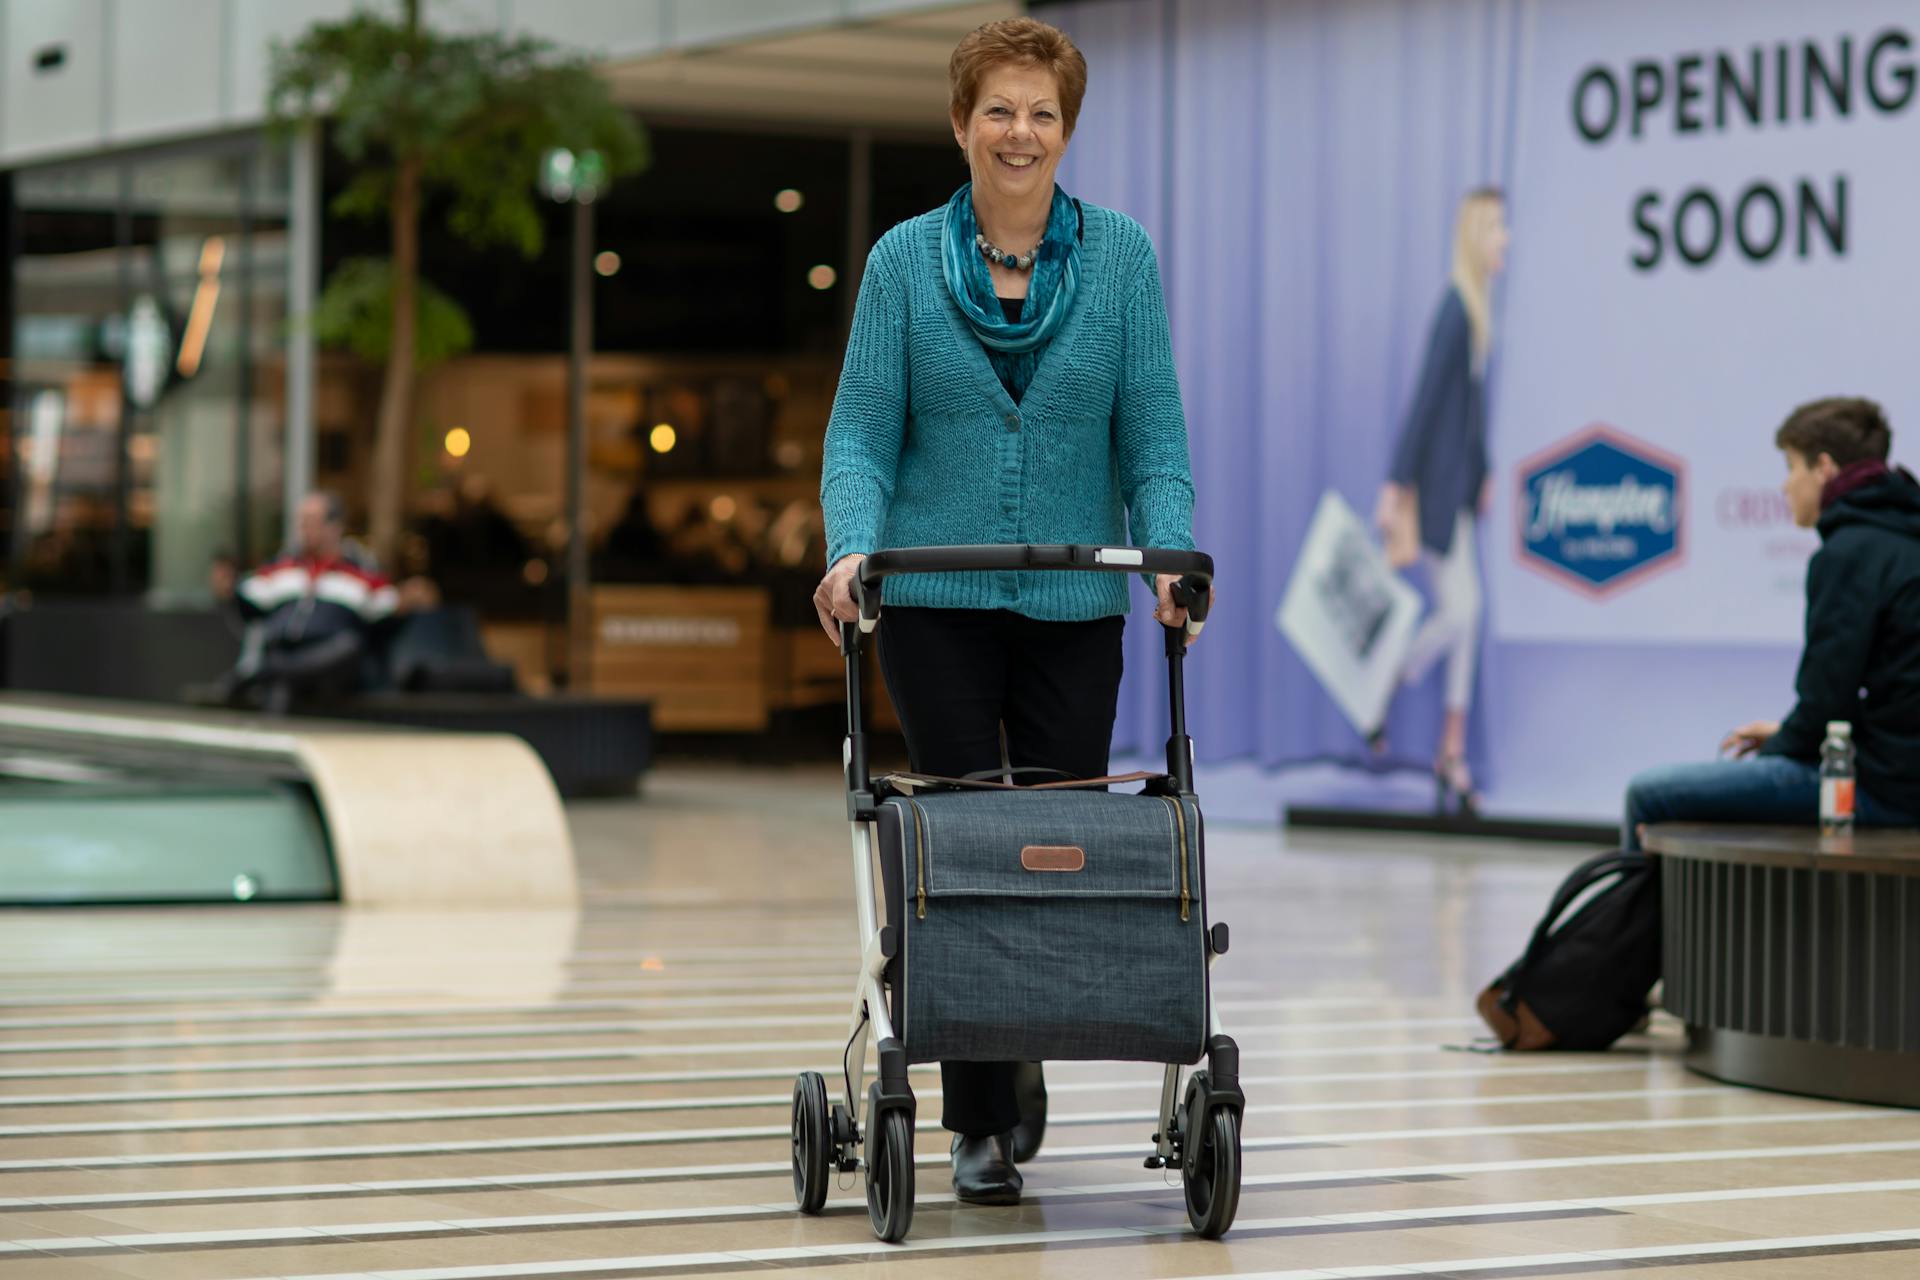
(217, 1094)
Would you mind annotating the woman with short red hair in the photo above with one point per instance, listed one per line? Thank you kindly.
(1009, 379)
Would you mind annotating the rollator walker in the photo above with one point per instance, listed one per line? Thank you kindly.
(872, 1128)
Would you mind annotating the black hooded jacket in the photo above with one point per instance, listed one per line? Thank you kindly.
(1862, 657)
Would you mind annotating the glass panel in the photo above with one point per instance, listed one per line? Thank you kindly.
(185, 372)
(150, 308)
(267, 336)
(67, 383)
(73, 831)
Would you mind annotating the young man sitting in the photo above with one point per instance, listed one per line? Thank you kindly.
(1861, 663)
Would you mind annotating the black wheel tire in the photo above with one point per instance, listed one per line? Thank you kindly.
(890, 1176)
(812, 1142)
(1211, 1173)
(1188, 1118)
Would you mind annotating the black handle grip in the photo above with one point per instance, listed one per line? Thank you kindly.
(1195, 595)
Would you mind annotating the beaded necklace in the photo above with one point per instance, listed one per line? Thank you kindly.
(995, 254)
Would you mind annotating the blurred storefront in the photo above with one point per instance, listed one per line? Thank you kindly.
(147, 373)
(164, 402)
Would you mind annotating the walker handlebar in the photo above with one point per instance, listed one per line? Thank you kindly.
(1195, 569)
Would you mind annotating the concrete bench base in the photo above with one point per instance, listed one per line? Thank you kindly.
(1804, 1066)
(1794, 959)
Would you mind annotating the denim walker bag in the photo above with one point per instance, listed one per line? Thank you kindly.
(1046, 925)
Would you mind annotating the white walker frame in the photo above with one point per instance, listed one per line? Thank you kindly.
(1198, 1133)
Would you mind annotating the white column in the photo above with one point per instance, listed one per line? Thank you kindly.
(303, 268)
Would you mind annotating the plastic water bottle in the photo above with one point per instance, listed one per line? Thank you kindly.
(1836, 779)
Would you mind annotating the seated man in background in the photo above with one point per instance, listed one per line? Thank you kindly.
(312, 610)
(1861, 662)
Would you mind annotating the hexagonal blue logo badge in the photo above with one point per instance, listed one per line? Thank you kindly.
(1601, 510)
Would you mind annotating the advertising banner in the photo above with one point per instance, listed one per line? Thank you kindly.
(1714, 211)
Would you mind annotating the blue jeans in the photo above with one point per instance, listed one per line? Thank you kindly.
(1758, 789)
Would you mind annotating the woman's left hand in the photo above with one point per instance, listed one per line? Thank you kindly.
(1169, 614)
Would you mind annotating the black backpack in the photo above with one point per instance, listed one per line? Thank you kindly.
(1584, 978)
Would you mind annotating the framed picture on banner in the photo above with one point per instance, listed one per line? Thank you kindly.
(1348, 615)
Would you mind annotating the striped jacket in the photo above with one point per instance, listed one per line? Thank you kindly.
(305, 598)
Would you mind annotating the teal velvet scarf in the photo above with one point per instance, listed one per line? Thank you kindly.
(1013, 348)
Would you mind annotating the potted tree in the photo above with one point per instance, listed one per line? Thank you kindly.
(469, 117)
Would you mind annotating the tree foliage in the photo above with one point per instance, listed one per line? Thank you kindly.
(356, 312)
(478, 111)
(458, 120)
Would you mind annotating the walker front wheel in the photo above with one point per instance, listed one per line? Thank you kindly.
(1210, 1168)
(890, 1175)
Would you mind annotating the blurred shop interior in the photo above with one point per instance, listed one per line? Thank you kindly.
(152, 323)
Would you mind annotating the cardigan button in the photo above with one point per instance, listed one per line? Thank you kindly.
(1013, 422)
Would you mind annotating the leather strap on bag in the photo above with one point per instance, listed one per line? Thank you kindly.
(1053, 857)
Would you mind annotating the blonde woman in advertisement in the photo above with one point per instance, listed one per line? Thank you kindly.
(1438, 484)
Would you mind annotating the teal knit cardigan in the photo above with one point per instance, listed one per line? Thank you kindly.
(925, 447)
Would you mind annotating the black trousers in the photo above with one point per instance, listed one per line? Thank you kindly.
(957, 678)
(283, 673)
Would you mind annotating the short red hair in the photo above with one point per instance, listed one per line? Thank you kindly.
(1023, 42)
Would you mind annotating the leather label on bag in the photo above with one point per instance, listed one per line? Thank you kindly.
(1053, 857)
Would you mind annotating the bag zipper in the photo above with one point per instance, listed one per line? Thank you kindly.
(1180, 817)
(920, 860)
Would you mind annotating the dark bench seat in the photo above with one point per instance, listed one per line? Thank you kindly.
(122, 650)
(1793, 958)
(591, 746)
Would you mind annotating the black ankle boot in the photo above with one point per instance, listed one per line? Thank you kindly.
(1030, 1090)
(983, 1171)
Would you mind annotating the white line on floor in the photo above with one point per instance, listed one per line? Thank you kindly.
(1146, 1089)
(770, 1133)
(1055, 1085)
(1591, 1260)
(627, 1027)
(1596, 1259)
(456, 1009)
(146, 1240)
(606, 1177)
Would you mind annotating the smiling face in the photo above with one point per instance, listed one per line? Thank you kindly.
(1014, 135)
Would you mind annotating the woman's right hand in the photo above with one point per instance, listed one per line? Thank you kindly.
(833, 598)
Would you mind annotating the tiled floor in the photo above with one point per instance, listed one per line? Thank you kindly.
(264, 1092)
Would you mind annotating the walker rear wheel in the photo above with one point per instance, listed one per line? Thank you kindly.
(812, 1142)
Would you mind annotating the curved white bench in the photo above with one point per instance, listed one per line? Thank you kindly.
(413, 818)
